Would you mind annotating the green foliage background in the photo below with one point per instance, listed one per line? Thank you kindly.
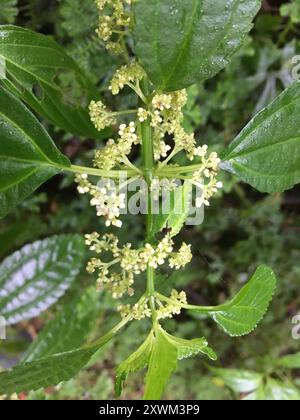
(242, 229)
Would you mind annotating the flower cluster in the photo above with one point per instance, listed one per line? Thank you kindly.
(130, 75)
(182, 258)
(116, 152)
(166, 119)
(100, 116)
(142, 309)
(205, 178)
(112, 27)
(138, 311)
(130, 261)
(174, 305)
(108, 202)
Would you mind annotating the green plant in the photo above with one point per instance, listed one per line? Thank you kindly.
(273, 383)
(166, 48)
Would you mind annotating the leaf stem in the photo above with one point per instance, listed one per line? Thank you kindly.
(108, 336)
(99, 172)
(203, 309)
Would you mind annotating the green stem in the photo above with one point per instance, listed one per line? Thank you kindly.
(149, 165)
(107, 337)
(125, 112)
(99, 172)
(203, 309)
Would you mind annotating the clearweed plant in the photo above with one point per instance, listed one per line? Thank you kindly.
(166, 46)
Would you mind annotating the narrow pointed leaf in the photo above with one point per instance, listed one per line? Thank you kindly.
(34, 278)
(266, 154)
(162, 363)
(34, 65)
(28, 156)
(136, 361)
(179, 43)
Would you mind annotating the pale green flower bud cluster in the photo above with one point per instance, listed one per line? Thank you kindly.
(115, 152)
(166, 118)
(206, 176)
(112, 27)
(174, 307)
(138, 311)
(108, 202)
(130, 261)
(100, 116)
(182, 258)
(129, 75)
(142, 309)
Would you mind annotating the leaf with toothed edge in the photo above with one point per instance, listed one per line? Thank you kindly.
(34, 278)
(36, 67)
(70, 328)
(180, 43)
(266, 154)
(49, 371)
(136, 361)
(189, 348)
(28, 155)
(242, 315)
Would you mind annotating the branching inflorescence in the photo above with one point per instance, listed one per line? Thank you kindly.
(161, 114)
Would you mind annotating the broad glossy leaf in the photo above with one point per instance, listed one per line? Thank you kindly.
(189, 348)
(241, 381)
(162, 363)
(136, 361)
(45, 372)
(291, 362)
(69, 329)
(36, 67)
(179, 43)
(34, 278)
(28, 156)
(266, 154)
(175, 213)
(242, 315)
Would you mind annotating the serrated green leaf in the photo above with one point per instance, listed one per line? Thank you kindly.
(162, 363)
(291, 361)
(174, 217)
(53, 369)
(179, 43)
(266, 154)
(28, 156)
(34, 278)
(69, 329)
(242, 315)
(189, 348)
(34, 65)
(44, 372)
(136, 361)
(241, 381)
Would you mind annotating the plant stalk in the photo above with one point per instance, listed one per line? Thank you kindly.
(149, 166)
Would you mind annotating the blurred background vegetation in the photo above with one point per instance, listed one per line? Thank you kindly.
(242, 229)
